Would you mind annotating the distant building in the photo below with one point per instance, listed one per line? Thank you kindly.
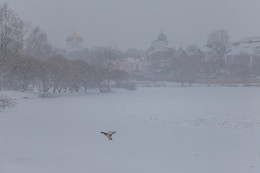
(133, 65)
(158, 56)
(248, 48)
(74, 42)
(250, 45)
(160, 43)
(156, 59)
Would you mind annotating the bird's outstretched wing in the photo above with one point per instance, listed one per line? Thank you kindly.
(111, 133)
(103, 133)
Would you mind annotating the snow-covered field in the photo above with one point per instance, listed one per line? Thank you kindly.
(170, 129)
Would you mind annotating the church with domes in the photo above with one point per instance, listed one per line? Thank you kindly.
(74, 42)
(161, 43)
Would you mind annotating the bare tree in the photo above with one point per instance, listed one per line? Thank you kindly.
(43, 73)
(37, 45)
(185, 72)
(12, 30)
(105, 57)
(256, 65)
(78, 76)
(239, 66)
(118, 76)
(59, 72)
(188, 64)
(218, 43)
(22, 71)
(196, 58)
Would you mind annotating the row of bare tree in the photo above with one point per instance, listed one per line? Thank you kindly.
(214, 61)
(57, 73)
(27, 59)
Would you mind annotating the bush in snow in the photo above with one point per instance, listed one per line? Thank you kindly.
(5, 102)
(47, 95)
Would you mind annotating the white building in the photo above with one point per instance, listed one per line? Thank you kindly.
(74, 42)
(248, 47)
(160, 43)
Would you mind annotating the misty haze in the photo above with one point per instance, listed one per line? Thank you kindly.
(129, 86)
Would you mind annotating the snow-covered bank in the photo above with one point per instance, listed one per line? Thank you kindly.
(197, 129)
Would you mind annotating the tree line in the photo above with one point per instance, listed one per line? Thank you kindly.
(213, 64)
(27, 59)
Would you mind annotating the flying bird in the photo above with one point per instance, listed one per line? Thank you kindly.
(109, 134)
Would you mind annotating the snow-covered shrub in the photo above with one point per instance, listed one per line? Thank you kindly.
(47, 95)
(6, 102)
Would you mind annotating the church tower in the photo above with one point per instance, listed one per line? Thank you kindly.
(160, 43)
(74, 42)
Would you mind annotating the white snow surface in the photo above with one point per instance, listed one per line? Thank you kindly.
(169, 129)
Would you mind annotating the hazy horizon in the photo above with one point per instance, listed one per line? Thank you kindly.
(135, 24)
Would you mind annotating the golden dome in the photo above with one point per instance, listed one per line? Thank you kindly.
(74, 35)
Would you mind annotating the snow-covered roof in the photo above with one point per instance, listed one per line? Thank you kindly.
(250, 45)
(249, 40)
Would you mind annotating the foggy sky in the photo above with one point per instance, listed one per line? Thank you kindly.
(136, 23)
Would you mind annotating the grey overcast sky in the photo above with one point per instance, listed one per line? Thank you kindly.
(136, 23)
